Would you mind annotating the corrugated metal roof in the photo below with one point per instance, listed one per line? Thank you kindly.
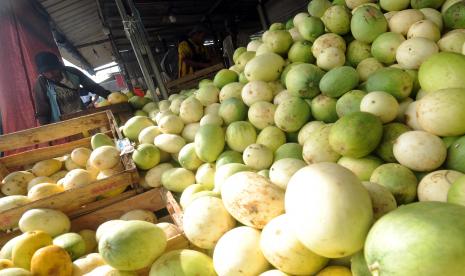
(79, 21)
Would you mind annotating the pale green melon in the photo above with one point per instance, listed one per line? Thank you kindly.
(133, 245)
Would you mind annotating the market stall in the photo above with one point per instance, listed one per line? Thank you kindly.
(332, 146)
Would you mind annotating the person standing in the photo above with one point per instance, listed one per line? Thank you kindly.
(192, 53)
(57, 89)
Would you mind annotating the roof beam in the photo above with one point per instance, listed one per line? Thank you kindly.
(63, 42)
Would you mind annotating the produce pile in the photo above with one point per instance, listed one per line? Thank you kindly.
(333, 146)
(335, 139)
(47, 247)
(53, 176)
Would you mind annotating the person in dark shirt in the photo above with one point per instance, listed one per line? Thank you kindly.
(57, 89)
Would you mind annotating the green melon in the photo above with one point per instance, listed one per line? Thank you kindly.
(398, 179)
(358, 51)
(420, 4)
(73, 243)
(232, 110)
(239, 135)
(456, 193)
(188, 157)
(228, 157)
(101, 139)
(394, 5)
(301, 51)
(183, 262)
(265, 67)
(238, 52)
(272, 137)
(138, 102)
(349, 102)
(225, 76)
(135, 125)
(338, 81)
(456, 155)
(361, 167)
(432, 232)
(209, 142)
(146, 156)
(177, 179)
(311, 28)
(205, 82)
(441, 71)
(231, 90)
(385, 46)
(277, 26)
(337, 19)
(289, 24)
(358, 264)
(390, 134)
(317, 8)
(324, 109)
(356, 135)
(394, 81)
(286, 70)
(288, 150)
(132, 245)
(292, 114)
(302, 80)
(368, 23)
(278, 41)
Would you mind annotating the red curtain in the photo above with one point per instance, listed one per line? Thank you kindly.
(24, 32)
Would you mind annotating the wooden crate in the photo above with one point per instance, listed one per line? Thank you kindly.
(191, 81)
(157, 200)
(122, 111)
(70, 200)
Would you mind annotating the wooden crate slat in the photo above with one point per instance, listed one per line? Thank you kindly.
(36, 155)
(69, 200)
(151, 201)
(173, 208)
(51, 132)
(3, 171)
(96, 205)
(122, 110)
(197, 74)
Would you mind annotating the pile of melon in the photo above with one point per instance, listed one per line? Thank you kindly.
(53, 176)
(334, 144)
(119, 247)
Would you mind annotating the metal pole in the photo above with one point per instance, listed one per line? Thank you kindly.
(263, 16)
(119, 58)
(129, 28)
(144, 43)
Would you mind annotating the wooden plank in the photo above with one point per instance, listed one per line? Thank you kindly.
(197, 74)
(69, 200)
(151, 200)
(43, 134)
(5, 237)
(3, 171)
(36, 155)
(114, 108)
(173, 208)
(99, 204)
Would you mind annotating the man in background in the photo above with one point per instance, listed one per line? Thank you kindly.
(192, 53)
(57, 89)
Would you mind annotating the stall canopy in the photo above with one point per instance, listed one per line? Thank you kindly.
(79, 32)
(90, 33)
